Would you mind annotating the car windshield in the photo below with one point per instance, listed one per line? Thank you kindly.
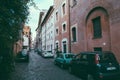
(69, 56)
(107, 57)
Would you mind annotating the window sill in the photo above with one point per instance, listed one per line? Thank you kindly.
(74, 41)
(97, 37)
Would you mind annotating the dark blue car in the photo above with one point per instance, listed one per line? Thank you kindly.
(96, 65)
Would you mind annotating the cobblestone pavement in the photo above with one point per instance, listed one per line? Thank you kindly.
(39, 68)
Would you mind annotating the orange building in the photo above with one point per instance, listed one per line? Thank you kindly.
(19, 44)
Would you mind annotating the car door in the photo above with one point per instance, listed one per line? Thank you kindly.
(60, 59)
(82, 65)
(75, 63)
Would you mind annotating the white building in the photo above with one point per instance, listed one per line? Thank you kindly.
(39, 32)
(25, 42)
(47, 32)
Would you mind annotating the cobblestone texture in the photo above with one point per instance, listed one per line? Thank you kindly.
(40, 68)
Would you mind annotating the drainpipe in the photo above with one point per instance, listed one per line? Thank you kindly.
(45, 36)
(69, 26)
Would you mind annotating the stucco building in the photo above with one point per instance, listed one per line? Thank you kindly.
(38, 39)
(48, 30)
(45, 30)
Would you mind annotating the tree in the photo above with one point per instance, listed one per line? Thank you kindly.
(13, 13)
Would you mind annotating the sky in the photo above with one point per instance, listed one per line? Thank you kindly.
(34, 14)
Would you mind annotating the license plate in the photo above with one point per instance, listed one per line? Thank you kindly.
(111, 68)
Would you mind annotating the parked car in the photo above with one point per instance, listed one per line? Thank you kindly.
(47, 54)
(39, 51)
(63, 60)
(23, 55)
(1, 58)
(95, 66)
(36, 50)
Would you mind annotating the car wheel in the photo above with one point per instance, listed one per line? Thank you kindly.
(55, 63)
(27, 58)
(90, 77)
(70, 70)
(62, 66)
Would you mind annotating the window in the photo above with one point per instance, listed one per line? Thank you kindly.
(69, 56)
(56, 31)
(63, 8)
(64, 47)
(97, 33)
(51, 48)
(57, 46)
(78, 57)
(26, 33)
(56, 15)
(74, 34)
(49, 35)
(64, 27)
(74, 2)
(107, 57)
(83, 57)
(97, 49)
(61, 56)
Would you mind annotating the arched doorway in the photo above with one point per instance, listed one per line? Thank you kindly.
(64, 45)
(97, 30)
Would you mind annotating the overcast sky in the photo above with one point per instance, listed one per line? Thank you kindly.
(34, 14)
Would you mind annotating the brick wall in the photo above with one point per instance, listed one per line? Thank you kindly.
(83, 12)
(61, 20)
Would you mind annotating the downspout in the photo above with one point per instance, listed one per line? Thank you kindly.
(69, 26)
(45, 36)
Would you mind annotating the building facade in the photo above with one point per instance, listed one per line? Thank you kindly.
(24, 39)
(46, 30)
(62, 29)
(27, 39)
(95, 26)
(82, 25)
(18, 44)
(38, 39)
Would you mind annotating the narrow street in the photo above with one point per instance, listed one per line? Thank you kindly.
(39, 68)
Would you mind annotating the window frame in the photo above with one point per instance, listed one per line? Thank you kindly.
(73, 3)
(74, 26)
(56, 16)
(57, 33)
(97, 28)
(74, 35)
(64, 9)
(65, 23)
